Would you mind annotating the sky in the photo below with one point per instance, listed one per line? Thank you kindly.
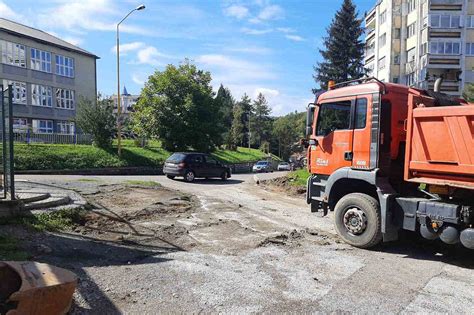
(249, 46)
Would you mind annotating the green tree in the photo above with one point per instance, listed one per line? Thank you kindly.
(226, 102)
(177, 106)
(344, 50)
(97, 119)
(468, 93)
(261, 122)
(287, 131)
(238, 127)
(243, 110)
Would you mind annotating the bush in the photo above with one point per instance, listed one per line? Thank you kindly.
(98, 120)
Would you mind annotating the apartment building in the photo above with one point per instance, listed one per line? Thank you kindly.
(127, 102)
(414, 42)
(48, 76)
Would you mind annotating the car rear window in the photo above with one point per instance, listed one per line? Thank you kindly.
(176, 158)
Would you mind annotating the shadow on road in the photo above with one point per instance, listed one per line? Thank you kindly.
(413, 246)
(78, 253)
(214, 181)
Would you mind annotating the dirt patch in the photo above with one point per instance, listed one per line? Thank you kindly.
(136, 215)
(284, 184)
(295, 238)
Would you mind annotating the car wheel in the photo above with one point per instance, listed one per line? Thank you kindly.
(189, 176)
(357, 220)
(224, 176)
(170, 176)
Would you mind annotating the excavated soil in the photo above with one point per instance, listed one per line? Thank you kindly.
(285, 185)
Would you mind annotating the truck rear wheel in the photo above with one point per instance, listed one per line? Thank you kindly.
(357, 220)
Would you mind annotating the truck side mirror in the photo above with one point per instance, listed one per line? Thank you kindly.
(309, 119)
(304, 143)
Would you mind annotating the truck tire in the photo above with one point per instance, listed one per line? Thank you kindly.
(357, 220)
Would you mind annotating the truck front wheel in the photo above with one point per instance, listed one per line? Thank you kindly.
(357, 220)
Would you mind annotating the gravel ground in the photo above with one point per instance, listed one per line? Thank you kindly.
(214, 246)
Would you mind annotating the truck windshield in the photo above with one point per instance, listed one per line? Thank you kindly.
(333, 116)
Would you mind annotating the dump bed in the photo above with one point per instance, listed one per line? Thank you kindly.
(440, 143)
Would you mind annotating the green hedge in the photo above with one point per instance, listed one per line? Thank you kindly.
(74, 157)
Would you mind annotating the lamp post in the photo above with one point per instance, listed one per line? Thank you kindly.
(119, 103)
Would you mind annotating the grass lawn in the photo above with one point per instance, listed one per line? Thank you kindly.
(299, 177)
(74, 157)
(241, 155)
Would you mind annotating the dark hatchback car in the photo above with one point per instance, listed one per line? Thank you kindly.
(191, 165)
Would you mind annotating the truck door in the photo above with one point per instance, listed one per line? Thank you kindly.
(361, 134)
(334, 135)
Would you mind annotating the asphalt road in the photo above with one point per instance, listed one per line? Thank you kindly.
(305, 271)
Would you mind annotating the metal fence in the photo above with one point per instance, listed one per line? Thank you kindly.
(51, 138)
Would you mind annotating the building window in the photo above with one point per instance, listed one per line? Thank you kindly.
(469, 49)
(445, 21)
(65, 127)
(370, 69)
(19, 91)
(411, 5)
(470, 21)
(396, 33)
(13, 54)
(383, 17)
(445, 48)
(423, 49)
(410, 79)
(42, 126)
(396, 59)
(381, 63)
(411, 30)
(65, 98)
(65, 66)
(395, 80)
(40, 60)
(20, 125)
(41, 95)
(382, 40)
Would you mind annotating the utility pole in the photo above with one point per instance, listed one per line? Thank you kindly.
(119, 101)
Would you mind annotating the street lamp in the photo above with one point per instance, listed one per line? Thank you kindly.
(119, 105)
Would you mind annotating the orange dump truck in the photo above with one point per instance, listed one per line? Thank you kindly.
(386, 157)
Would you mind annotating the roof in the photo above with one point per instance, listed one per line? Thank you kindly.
(38, 35)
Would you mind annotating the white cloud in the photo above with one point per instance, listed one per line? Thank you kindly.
(271, 12)
(286, 30)
(295, 38)
(266, 91)
(237, 11)
(251, 31)
(150, 56)
(128, 47)
(138, 79)
(251, 50)
(227, 69)
(77, 16)
(8, 13)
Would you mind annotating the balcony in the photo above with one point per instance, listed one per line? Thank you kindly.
(369, 52)
(447, 86)
(444, 61)
(446, 5)
(370, 18)
(369, 33)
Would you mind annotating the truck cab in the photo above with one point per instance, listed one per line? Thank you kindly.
(359, 159)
